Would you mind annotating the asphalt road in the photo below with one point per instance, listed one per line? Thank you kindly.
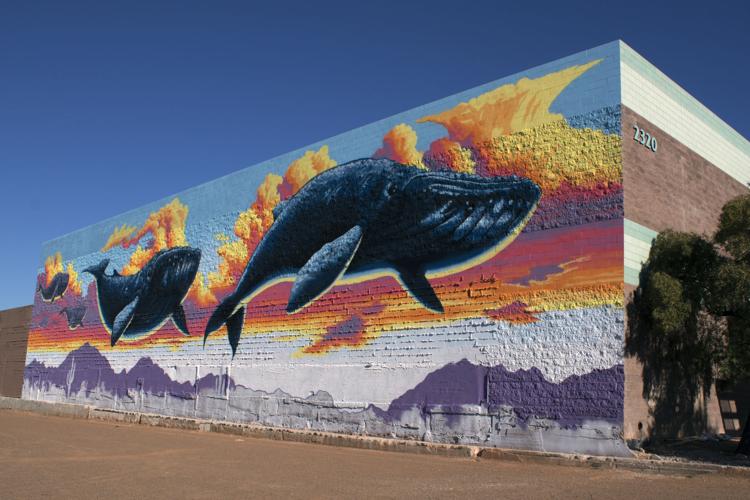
(57, 457)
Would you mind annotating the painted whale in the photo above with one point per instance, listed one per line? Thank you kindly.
(134, 305)
(74, 315)
(378, 215)
(56, 287)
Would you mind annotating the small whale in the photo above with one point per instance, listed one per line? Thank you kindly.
(131, 306)
(378, 215)
(55, 289)
(75, 315)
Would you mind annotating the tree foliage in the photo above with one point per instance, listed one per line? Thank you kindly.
(689, 320)
(732, 285)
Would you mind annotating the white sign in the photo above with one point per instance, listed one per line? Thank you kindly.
(647, 140)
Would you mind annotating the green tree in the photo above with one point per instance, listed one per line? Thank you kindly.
(731, 295)
(689, 320)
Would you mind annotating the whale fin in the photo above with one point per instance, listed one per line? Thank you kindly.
(97, 269)
(323, 269)
(416, 284)
(234, 328)
(178, 318)
(280, 206)
(220, 316)
(123, 320)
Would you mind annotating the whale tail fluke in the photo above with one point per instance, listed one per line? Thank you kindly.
(227, 313)
(97, 270)
(234, 328)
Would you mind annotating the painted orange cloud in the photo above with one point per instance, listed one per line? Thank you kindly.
(447, 154)
(120, 236)
(249, 228)
(166, 227)
(507, 109)
(251, 225)
(400, 145)
(511, 131)
(54, 264)
(301, 170)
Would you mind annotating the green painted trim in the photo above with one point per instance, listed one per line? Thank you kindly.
(639, 232)
(682, 97)
(631, 276)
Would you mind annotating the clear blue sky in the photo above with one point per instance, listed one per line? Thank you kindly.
(105, 106)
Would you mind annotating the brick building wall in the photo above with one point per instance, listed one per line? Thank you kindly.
(674, 188)
(401, 279)
(14, 331)
(486, 232)
(699, 165)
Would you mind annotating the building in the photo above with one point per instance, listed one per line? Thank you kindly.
(454, 273)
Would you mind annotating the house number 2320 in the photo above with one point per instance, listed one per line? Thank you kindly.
(647, 140)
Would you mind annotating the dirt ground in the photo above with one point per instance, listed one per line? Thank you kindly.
(43, 456)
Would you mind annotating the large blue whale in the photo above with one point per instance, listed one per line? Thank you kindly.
(133, 305)
(375, 214)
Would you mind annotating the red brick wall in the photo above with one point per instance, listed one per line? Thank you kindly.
(672, 188)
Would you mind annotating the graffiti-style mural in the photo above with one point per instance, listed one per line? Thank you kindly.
(454, 274)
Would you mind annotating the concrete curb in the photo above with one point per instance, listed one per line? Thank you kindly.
(371, 443)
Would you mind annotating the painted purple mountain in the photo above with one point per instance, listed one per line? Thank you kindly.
(86, 368)
(598, 395)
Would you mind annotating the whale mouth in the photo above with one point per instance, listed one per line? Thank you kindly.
(469, 209)
(459, 186)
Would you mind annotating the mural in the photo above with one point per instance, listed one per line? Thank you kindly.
(55, 288)
(74, 315)
(140, 303)
(452, 274)
(450, 219)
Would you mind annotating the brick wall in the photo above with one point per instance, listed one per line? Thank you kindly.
(14, 332)
(486, 230)
(673, 188)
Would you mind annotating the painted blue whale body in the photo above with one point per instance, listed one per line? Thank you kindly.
(375, 214)
(56, 288)
(133, 305)
(74, 315)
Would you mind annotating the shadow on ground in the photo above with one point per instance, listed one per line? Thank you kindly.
(710, 450)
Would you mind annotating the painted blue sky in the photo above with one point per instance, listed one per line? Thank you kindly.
(104, 108)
